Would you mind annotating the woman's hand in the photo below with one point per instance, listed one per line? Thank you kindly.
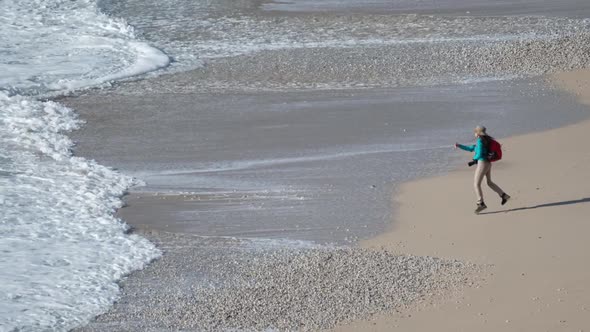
(456, 146)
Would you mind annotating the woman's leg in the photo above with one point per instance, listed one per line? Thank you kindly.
(480, 172)
(491, 184)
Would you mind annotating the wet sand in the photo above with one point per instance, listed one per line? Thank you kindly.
(536, 244)
(477, 7)
(274, 156)
(300, 165)
(207, 239)
(221, 284)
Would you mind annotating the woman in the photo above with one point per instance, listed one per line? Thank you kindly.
(484, 167)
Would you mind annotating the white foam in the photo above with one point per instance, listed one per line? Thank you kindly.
(62, 249)
(352, 151)
(64, 45)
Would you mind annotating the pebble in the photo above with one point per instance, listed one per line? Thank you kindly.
(519, 51)
(235, 286)
(201, 284)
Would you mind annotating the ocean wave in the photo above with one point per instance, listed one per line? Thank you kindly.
(63, 250)
(65, 45)
(195, 32)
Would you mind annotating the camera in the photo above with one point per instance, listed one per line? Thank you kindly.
(471, 163)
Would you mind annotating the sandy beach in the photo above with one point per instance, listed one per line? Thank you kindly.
(260, 165)
(536, 244)
(279, 177)
(511, 268)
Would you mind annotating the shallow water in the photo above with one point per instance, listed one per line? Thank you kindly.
(577, 8)
(193, 33)
(62, 248)
(319, 166)
(311, 165)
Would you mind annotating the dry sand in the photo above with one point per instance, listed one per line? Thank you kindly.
(538, 243)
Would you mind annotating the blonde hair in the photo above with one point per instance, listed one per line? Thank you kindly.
(480, 130)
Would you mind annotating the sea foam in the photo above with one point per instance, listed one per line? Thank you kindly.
(63, 250)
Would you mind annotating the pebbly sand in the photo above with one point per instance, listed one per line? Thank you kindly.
(214, 282)
(149, 135)
(253, 185)
(472, 7)
(206, 284)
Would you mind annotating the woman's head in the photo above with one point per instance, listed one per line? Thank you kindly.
(479, 131)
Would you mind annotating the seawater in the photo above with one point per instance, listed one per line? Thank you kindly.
(62, 249)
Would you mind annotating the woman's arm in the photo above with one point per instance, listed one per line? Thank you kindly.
(469, 148)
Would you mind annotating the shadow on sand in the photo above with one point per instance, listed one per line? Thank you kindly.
(577, 201)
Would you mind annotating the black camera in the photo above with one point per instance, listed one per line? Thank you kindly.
(471, 163)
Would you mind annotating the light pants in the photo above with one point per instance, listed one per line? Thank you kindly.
(484, 168)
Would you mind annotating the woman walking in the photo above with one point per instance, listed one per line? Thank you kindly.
(484, 167)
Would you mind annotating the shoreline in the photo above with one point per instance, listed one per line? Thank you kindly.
(537, 280)
(378, 322)
(283, 175)
(181, 245)
(287, 164)
(218, 284)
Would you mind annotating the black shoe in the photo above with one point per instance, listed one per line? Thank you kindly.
(505, 198)
(480, 207)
